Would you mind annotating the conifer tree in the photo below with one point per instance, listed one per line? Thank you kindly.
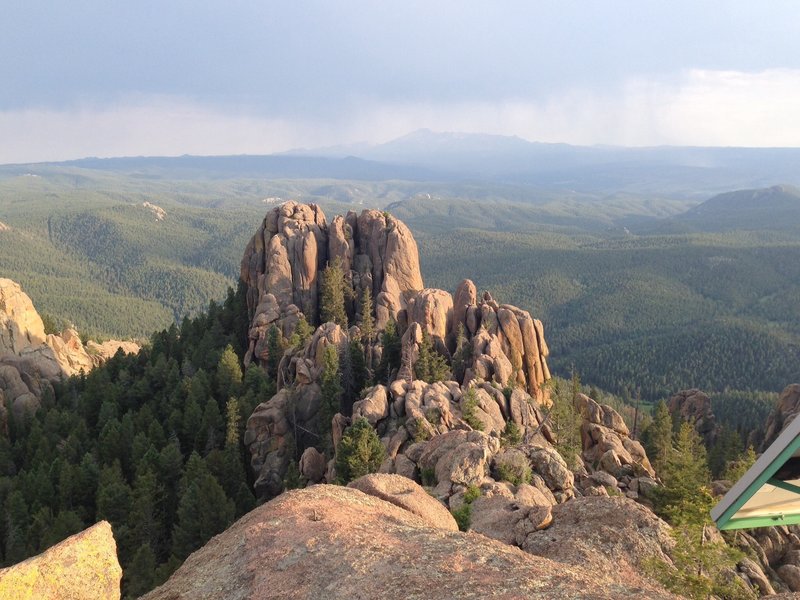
(232, 423)
(367, 320)
(737, 468)
(212, 425)
(275, 347)
(203, 509)
(700, 566)
(140, 575)
(430, 366)
(16, 547)
(359, 369)
(360, 452)
(192, 426)
(331, 388)
(684, 473)
(658, 436)
(332, 295)
(347, 378)
(146, 514)
(229, 373)
(463, 354)
(390, 358)
(565, 421)
(113, 496)
(302, 331)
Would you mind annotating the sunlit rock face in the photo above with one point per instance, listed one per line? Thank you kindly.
(283, 270)
(31, 360)
(82, 567)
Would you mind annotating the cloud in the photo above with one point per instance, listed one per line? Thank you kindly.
(696, 107)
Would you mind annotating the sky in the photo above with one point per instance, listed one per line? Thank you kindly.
(99, 78)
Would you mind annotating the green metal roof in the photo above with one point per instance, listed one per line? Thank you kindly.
(769, 492)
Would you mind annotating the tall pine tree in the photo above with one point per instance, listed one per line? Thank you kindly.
(331, 388)
(333, 293)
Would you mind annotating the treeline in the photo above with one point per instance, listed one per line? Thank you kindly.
(715, 356)
(151, 443)
(743, 411)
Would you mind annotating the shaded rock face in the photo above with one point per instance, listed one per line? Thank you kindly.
(31, 361)
(335, 542)
(82, 567)
(775, 561)
(784, 413)
(693, 406)
(289, 420)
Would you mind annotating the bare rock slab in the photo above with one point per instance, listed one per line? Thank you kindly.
(338, 543)
(82, 567)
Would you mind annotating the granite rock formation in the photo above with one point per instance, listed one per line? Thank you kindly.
(31, 360)
(283, 262)
(693, 406)
(503, 346)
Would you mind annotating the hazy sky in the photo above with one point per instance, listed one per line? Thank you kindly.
(100, 78)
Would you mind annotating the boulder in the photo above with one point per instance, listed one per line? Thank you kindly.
(604, 533)
(82, 567)
(790, 574)
(547, 462)
(507, 520)
(408, 495)
(466, 464)
(312, 465)
(755, 574)
(374, 407)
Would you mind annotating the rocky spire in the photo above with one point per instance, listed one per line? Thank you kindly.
(283, 262)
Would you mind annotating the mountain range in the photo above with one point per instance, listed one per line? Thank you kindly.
(425, 155)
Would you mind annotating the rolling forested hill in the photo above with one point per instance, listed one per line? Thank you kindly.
(774, 208)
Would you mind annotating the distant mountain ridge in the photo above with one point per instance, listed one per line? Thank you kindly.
(425, 155)
(512, 158)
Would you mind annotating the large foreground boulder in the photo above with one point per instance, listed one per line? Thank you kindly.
(82, 567)
(335, 543)
(604, 534)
